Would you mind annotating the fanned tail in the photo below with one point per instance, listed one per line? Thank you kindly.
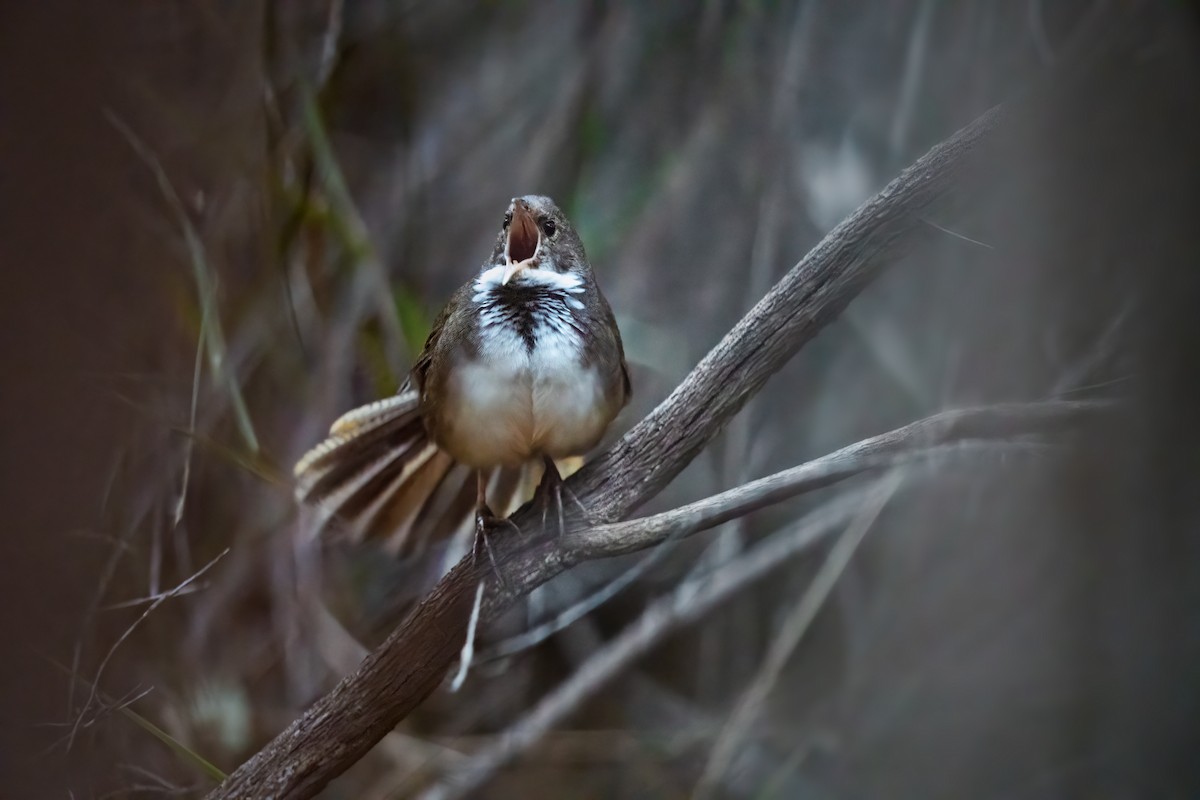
(378, 476)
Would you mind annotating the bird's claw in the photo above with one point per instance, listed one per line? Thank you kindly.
(486, 524)
(550, 495)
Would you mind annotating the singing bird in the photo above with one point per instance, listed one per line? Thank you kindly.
(524, 363)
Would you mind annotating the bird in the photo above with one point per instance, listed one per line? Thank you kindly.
(524, 363)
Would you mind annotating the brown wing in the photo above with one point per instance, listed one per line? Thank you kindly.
(419, 374)
(604, 338)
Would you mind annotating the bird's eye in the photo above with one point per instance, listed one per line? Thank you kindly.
(548, 227)
(507, 219)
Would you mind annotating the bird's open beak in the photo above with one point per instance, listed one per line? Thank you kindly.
(523, 241)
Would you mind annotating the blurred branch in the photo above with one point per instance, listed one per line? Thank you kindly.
(925, 442)
(337, 730)
(329, 42)
(791, 632)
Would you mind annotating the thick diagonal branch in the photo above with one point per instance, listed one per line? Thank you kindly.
(341, 727)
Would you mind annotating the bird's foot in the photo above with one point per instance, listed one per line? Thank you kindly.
(486, 526)
(551, 493)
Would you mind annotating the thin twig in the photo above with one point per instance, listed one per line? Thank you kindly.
(957, 235)
(468, 651)
(189, 442)
(129, 632)
(139, 601)
(1098, 355)
(107, 574)
(925, 438)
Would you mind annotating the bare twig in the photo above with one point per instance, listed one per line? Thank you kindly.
(158, 733)
(804, 301)
(129, 632)
(341, 727)
(687, 604)
(153, 598)
(121, 548)
(468, 651)
(189, 446)
(922, 439)
(957, 235)
(1075, 377)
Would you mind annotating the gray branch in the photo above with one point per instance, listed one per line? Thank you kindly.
(922, 439)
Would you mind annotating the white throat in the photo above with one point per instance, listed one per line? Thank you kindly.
(493, 277)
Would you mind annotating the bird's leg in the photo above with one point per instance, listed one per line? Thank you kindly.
(552, 491)
(485, 522)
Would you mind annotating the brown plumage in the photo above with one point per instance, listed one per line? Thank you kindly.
(525, 361)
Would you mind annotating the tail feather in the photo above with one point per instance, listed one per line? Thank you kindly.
(446, 506)
(344, 493)
(378, 476)
(405, 463)
(372, 414)
(357, 458)
(395, 513)
(377, 472)
(504, 485)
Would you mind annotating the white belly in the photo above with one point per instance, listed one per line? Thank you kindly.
(510, 404)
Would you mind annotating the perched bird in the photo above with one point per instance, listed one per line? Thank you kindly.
(525, 362)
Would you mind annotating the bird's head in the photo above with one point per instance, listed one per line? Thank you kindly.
(535, 234)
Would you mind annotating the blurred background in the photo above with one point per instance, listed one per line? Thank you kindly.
(224, 223)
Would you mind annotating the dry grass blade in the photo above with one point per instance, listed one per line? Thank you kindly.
(95, 685)
(205, 766)
(205, 283)
(346, 219)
